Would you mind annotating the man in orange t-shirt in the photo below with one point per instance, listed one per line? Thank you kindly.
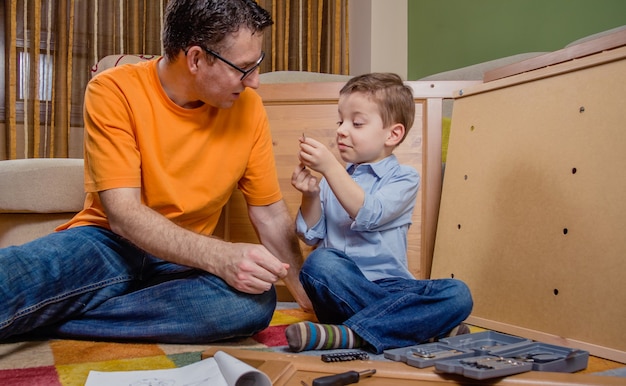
(166, 143)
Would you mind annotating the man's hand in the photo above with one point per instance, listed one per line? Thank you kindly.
(252, 269)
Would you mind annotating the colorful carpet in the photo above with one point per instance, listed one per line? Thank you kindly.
(68, 362)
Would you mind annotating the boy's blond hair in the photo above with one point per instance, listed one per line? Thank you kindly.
(394, 98)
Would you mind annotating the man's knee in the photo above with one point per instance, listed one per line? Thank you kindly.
(249, 315)
(463, 297)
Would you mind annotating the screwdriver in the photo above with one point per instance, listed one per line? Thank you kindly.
(346, 378)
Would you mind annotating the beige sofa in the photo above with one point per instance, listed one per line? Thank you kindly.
(36, 195)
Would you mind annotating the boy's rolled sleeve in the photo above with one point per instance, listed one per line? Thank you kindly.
(389, 207)
(313, 235)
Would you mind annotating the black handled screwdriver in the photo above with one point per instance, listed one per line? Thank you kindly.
(342, 379)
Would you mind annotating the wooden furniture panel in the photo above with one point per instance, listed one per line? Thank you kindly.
(533, 207)
(295, 109)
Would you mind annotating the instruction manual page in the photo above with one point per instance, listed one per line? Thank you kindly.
(221, 370)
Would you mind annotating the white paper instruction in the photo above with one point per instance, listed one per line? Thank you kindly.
(221, 370)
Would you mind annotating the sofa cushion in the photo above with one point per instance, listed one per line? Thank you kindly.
(41, 185)
(20, 228)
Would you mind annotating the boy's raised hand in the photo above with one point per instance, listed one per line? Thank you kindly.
(315, 155)
(304, 181)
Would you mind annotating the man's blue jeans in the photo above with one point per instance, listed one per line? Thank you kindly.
(387, 313)
(89, 283)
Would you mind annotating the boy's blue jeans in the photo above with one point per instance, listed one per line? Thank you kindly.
(387, 313)
(87, 282)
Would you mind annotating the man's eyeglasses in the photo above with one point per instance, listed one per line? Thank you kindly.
(244, 73)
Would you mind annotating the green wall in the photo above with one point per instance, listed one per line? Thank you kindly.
(448, 34)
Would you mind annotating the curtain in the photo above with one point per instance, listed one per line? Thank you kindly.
(308, 35)
(50, 47)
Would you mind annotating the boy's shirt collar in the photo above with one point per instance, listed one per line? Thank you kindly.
(379, 168)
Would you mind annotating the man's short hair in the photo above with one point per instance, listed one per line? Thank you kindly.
(207, 23)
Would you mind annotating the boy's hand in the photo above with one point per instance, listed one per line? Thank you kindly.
(307, 183)
(304, 181)
(315, 155)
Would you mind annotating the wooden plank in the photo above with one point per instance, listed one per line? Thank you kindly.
(590, 47)
(431, 186)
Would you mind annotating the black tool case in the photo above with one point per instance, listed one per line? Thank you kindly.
(490, 354)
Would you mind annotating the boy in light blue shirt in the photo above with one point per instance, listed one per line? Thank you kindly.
(358, 217)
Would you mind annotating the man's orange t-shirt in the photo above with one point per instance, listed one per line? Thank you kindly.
(187, 162)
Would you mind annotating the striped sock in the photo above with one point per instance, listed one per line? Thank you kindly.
(305, 336)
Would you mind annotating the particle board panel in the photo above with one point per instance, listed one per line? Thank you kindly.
(532, 205)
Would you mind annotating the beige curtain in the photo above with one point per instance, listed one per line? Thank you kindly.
(308, 35)
(50, 47)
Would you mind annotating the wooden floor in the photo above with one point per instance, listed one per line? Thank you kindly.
(596, 365)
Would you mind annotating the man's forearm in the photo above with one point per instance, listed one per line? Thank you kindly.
(276, 231)
(247, 267)
(158, 236)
